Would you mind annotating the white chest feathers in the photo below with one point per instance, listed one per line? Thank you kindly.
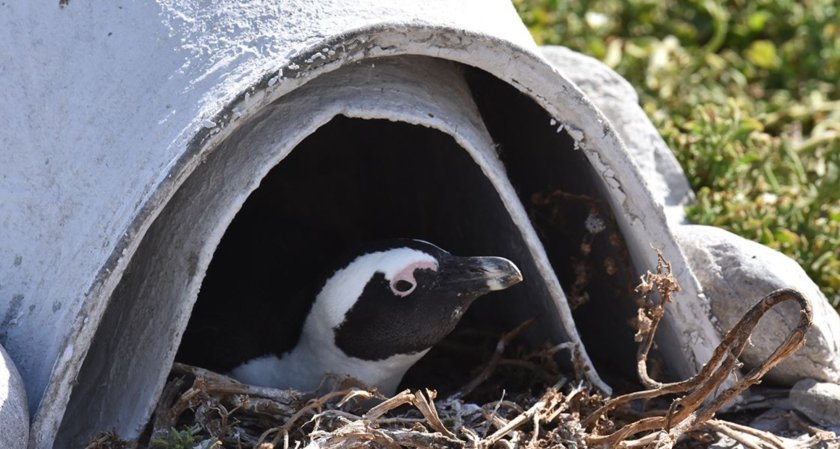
(305, 370)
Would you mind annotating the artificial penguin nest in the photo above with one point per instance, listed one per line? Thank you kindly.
(218, 412)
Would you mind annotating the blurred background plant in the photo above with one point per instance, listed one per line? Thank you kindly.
(746, 93)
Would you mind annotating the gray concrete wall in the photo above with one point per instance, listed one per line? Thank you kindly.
(108, 108)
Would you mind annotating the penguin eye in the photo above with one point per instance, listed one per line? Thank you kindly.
(402, 287)
(403, 282)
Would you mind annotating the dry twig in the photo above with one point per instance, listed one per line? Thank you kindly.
(244, 416)
(688, 412)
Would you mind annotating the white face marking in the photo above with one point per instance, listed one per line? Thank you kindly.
(347, 284)
(403, 282)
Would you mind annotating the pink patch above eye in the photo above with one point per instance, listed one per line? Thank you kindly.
(407, 275)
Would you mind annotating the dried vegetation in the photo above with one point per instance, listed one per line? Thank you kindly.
(215, 411)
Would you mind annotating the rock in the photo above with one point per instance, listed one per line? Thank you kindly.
(735, 273)
(819, 401)
(618, 101)
(777, 421)
(14, 415)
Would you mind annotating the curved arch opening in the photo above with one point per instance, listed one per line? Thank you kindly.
(259, 219)
(351, 181)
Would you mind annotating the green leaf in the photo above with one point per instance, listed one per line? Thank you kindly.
(786, 236)
(757, 20)
(763, 54)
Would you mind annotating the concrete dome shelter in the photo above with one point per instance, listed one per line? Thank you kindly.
(144, 136)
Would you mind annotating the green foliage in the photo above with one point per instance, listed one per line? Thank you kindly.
(177, 439)
(746, 93)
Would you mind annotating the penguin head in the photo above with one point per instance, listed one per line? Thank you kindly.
(401, 297)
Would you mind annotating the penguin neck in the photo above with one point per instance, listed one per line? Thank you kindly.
(316, 353)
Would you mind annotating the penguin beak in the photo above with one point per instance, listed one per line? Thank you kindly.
(479, 275)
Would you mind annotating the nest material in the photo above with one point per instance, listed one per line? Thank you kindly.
(219, 412)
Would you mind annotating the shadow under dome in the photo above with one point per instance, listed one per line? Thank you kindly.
(351, 181)
(570, 209)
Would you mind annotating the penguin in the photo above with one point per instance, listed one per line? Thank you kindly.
(378, 313)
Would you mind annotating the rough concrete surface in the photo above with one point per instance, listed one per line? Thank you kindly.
(736, 273)
(14, 417)
(618, 101)
(819, 401)
(110, 109)
(99, 104)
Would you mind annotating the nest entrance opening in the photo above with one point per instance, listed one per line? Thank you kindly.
(351, 181)
(355, 180)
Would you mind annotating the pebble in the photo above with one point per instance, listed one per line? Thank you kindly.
(819, 401)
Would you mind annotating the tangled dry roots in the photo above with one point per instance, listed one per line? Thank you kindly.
(699, 403)
(219, 412)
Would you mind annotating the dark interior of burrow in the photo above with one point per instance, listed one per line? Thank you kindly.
(568, 207)
(357, 180)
